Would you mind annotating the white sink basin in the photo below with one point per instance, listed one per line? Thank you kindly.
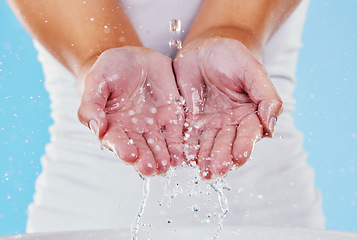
(227, 233)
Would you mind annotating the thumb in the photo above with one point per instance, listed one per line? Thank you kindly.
(263, 93)
(95, 93)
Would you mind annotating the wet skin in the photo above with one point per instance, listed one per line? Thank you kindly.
(131, 102)
(230, 100)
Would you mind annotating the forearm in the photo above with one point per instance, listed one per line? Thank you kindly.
(76, 32)
(252, 22)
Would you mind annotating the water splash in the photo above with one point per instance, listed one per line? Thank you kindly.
(218, 185)
(135, 225)
(174, 190)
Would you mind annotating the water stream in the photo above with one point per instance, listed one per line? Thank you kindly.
(135, 225)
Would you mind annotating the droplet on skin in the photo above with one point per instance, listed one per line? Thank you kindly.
(245, 154)
(150, 121)
(131, 112)
(106, 29)
(157, 148)
(122, 39)
(226, 163)
(187, 136)
(91, 19)
(153, 110)
(130, 142)
(149, 165)
(150, 141)
(134, 120)
(102, 114)
(164, 163)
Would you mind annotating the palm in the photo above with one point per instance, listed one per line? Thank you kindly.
(216, 79)
(143, 115)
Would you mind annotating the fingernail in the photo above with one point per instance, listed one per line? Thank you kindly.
(272, 123)
(93, 125)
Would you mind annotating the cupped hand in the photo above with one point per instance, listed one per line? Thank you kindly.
(131, 102)
(231, 103)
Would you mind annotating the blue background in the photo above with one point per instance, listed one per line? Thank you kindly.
(326, 112)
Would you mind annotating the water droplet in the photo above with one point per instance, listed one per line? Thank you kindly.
(153, 110)
(102, 114)
(187, 136)
(106, 29)
(175, 43)
(150, 121)
(195, 208)
(131, 112)
(134, 120)
(175, 25)
(150, 141)
(122, 39)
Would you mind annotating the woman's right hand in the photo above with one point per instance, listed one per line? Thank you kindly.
(131, 102)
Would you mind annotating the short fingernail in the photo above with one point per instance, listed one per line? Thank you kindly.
(272, 123)
(93, 125)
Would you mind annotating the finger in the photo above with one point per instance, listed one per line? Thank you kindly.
(94, 97)
(207, 139)
(263, 93)
(221, 155)
(116, 140)
(189, 81)
(249, 132)
(158, 147)
(145, 163)
(163, 81)
(268, 112)
(174, 139)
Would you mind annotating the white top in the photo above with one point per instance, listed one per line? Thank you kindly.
(83, 187)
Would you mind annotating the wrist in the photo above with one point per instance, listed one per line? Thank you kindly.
(247, 37)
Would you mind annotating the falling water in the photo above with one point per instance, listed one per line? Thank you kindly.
(175, 30)
(218, 186)
(135, 225)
